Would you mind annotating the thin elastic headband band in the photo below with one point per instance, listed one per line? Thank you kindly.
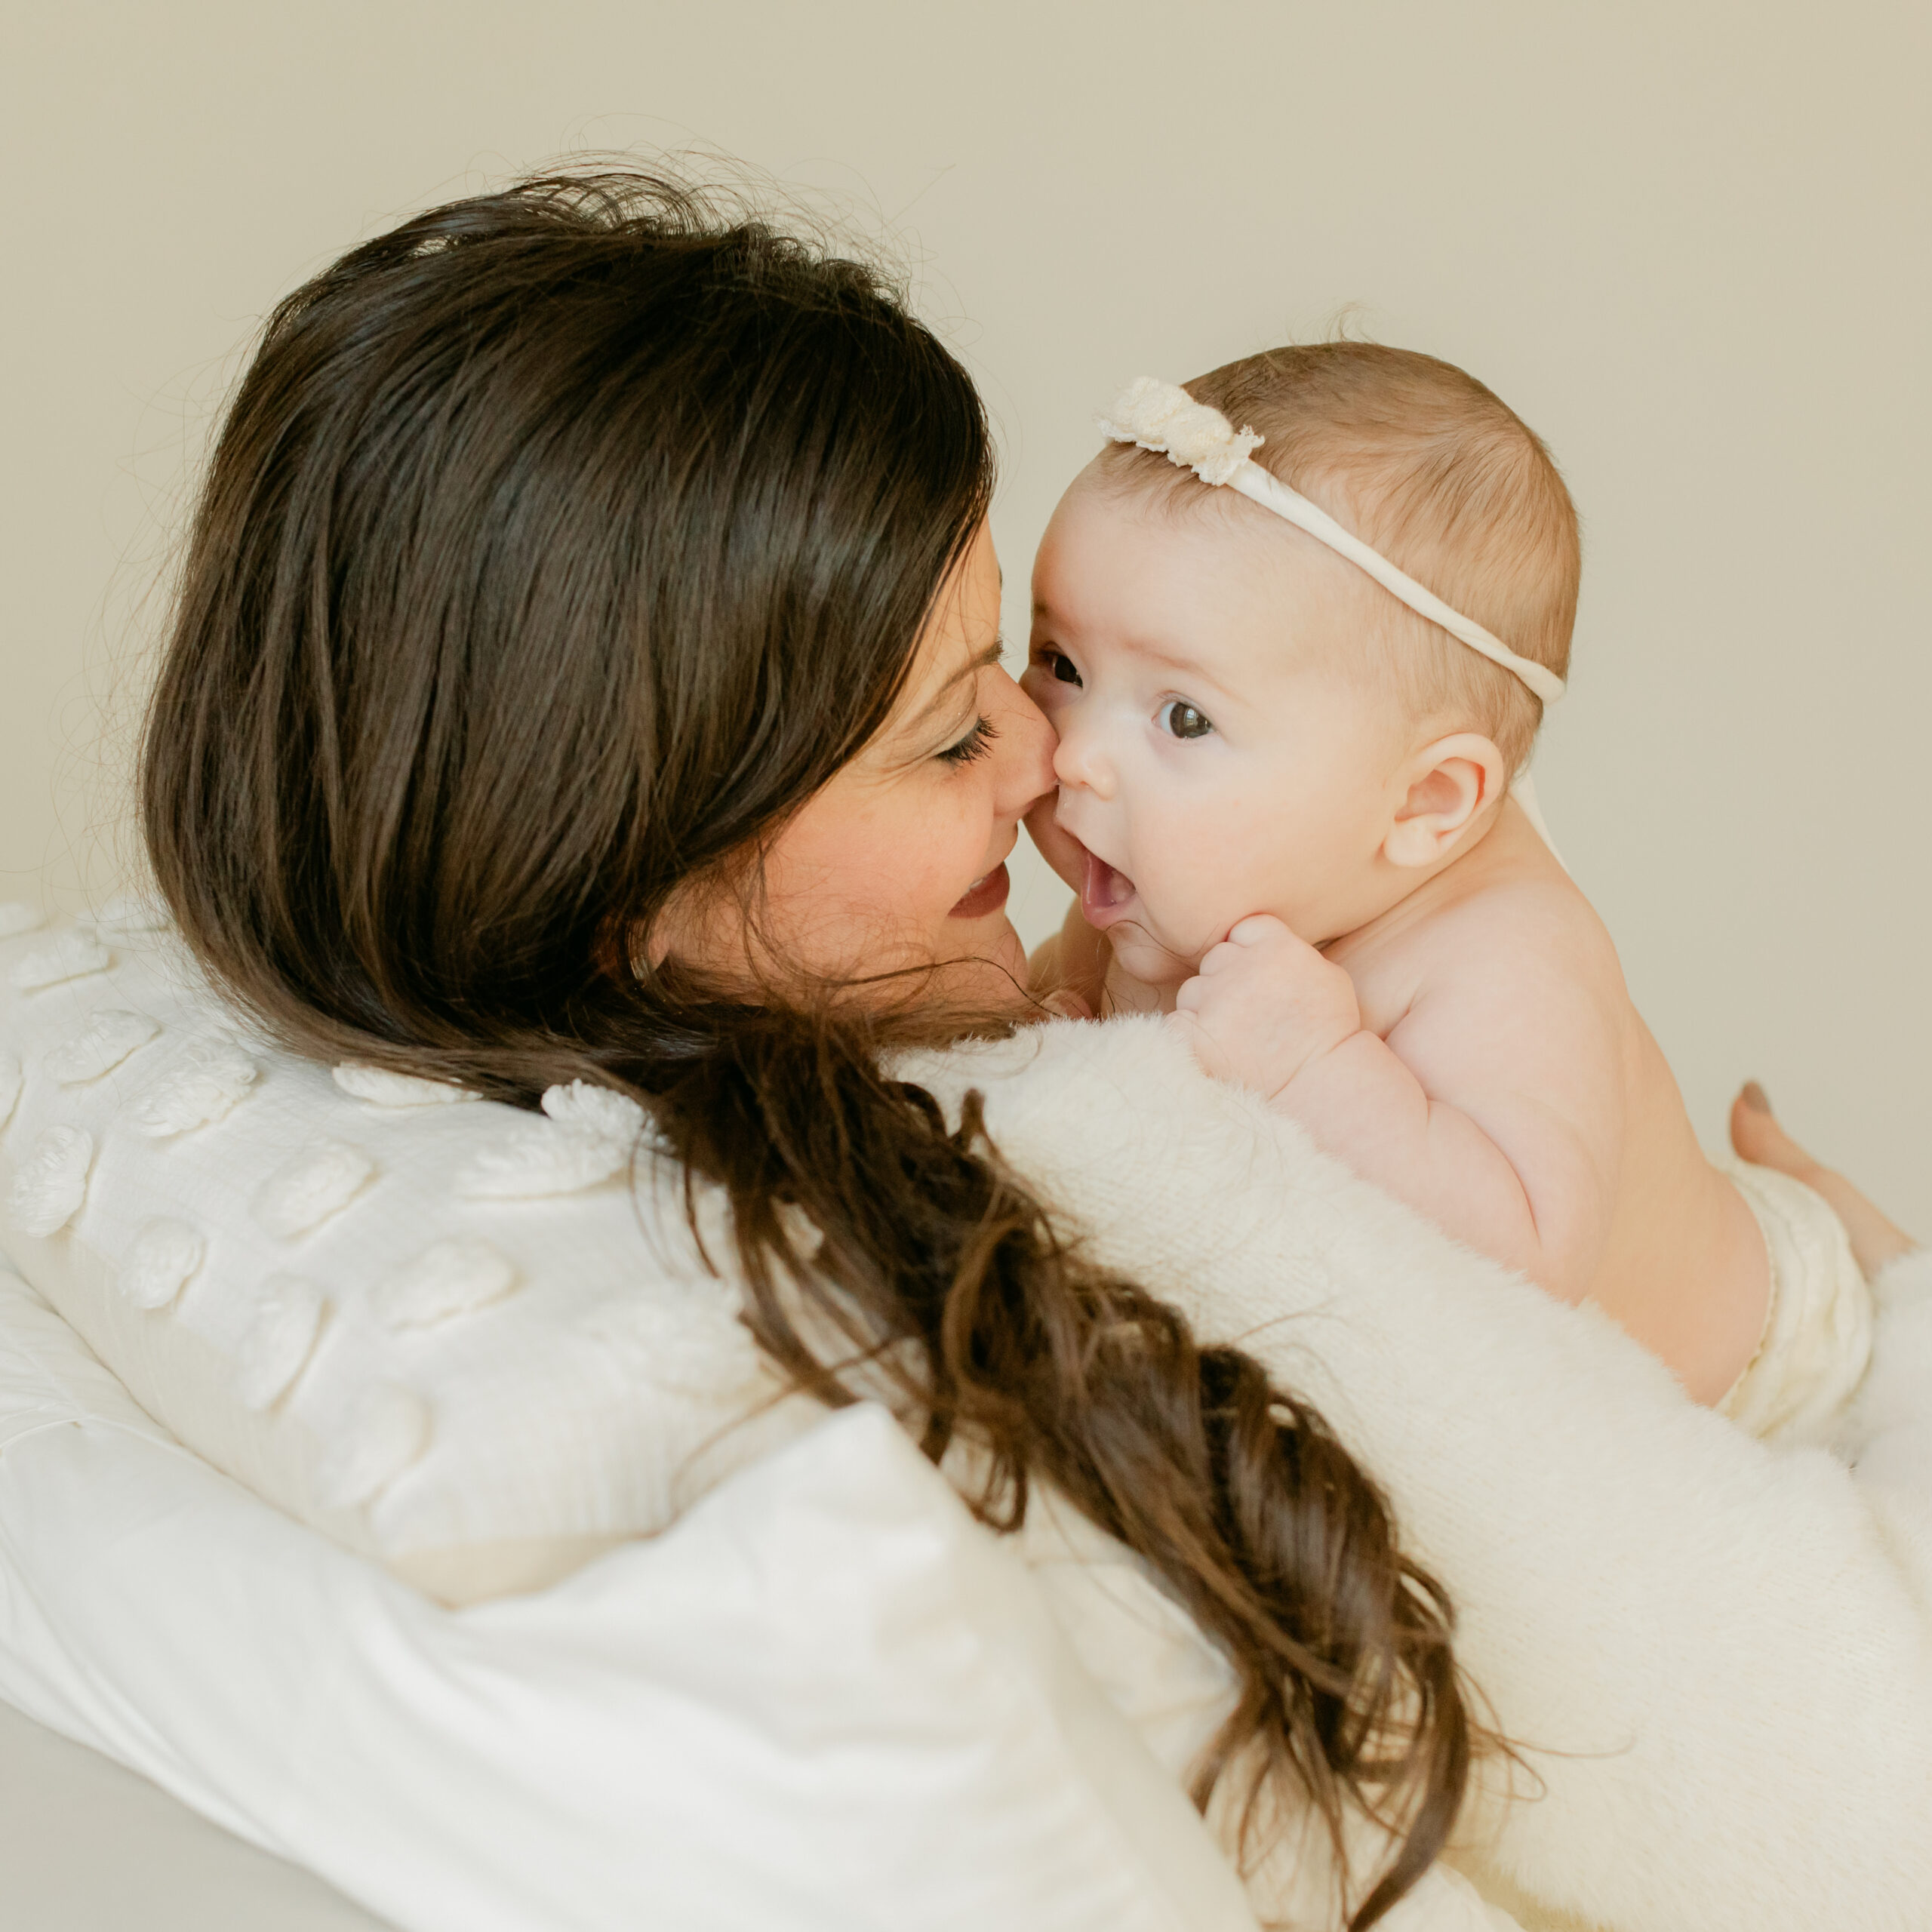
(1163, 417)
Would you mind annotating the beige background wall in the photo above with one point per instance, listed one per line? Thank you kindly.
(1689, 242)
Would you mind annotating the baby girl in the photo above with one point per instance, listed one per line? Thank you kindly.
(1291, 734)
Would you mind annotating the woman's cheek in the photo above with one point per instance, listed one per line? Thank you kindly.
(956, 834)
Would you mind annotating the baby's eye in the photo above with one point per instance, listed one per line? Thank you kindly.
(1180, 720)
(1061, 666)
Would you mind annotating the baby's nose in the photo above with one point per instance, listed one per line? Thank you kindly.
(1079, 760)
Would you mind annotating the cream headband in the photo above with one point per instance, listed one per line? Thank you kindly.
(1165, 418)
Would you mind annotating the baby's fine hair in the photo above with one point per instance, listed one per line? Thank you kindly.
(1437, 472)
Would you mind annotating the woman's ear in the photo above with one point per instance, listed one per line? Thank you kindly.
(709, 923)
(682, 926)
(1451, 782)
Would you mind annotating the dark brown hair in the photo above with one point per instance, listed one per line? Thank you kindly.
(1435, 471)
(557, 546)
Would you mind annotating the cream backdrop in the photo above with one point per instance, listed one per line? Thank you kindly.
(1687, 241)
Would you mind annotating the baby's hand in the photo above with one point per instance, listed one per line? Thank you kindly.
(1263, 1004)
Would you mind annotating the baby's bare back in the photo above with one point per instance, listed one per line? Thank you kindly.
(1498, 985)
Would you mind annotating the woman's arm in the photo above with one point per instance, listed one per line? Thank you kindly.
(1716, 1658)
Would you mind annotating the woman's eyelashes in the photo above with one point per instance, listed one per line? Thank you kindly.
(1180, 719)
(975, 744)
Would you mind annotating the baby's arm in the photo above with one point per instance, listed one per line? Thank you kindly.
(1493, 1108)
(1072, 961)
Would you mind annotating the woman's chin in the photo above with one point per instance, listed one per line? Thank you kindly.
(1006, 959)
(988, 967)
(978, 970)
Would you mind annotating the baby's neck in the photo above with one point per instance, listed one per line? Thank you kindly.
(1506, 847)
(1124, 995)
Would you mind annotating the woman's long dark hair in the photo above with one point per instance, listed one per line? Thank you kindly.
(557, 545)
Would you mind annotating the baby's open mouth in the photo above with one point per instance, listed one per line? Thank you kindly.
(1105, 892)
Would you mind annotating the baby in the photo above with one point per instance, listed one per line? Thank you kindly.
(1289, 742)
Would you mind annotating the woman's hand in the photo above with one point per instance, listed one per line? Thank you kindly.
(1758, 1137)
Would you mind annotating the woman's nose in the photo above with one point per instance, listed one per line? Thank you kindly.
(1026, 743)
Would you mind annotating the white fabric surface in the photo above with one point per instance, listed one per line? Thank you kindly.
(1716, 1654)
(450, 1335)
(825, 1698)
(441, 1332)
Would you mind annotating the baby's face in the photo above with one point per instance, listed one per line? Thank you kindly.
(1217, 758)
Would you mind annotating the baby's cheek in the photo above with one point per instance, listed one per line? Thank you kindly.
(1059, 848)
(1194, 900)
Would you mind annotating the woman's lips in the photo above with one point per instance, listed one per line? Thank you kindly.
(987, 895)
(1105, 893)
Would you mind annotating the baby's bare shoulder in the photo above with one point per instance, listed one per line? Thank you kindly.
(1520, 932)
(1515, 986)
(1505, 935)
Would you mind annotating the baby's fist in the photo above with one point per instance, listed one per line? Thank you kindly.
(1263, 1004)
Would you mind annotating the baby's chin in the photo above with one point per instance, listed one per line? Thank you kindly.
(1142, 956)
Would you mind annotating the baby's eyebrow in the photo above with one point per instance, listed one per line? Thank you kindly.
(1190, 670)
(1170, 660)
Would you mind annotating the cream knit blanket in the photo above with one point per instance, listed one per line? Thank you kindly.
(1717, 1654)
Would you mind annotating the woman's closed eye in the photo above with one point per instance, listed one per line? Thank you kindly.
(976, 744)
(1180, 719)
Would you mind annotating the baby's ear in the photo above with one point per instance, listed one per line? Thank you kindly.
(1450, 782)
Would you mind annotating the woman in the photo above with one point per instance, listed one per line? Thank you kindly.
(587, 665)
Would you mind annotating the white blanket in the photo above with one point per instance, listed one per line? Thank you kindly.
(707, 1730)
(1719, 1656)
(827, 1698)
